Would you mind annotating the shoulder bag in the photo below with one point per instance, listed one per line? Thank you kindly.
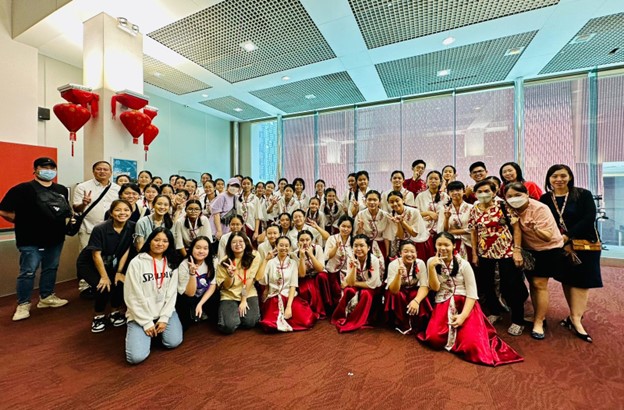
(74, 224)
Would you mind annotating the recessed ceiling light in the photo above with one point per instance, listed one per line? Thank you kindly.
(310, 97)
(204, 95)
(157, 74)
(448, 41)
(582, 38)
(477, 108)
(248, 46)
(514, 51)
(285, 78)
(442, 73)
(238, 109)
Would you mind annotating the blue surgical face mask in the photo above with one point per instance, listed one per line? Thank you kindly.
(46, 174)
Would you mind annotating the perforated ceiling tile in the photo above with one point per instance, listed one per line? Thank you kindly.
(168, 78)
(384, 22)
(599, 42)
(236, 108)
(282, 30)
(479, 63)
(330, 90)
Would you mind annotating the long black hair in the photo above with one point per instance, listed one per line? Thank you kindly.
(308, 215)
(208, 259)
(357, 176)
(451, 238)
(170, 253)
(516, 167)
(369, 243)
(574, 191)
(187, 224)
(248, 256)
(166, 217)
(436, 199)
(327, 209)
(394, 193)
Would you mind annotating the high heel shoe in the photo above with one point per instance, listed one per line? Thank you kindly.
(583, 336)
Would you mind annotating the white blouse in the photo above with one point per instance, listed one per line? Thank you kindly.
(249, 208)
(411, 279)
(408, 199)
(413, 219)
(280, 276)
(339, 262)
(183, 235)
(463, 284)
(318, 254)
(424, 202)
(374, 228)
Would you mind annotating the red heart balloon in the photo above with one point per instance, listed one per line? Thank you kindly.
(73, 118)
(135, 122)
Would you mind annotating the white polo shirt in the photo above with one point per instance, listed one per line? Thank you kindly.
(96, 215)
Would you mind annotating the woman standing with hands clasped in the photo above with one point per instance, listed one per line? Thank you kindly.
(282, 309)
(457, 323)
(150, 293)
(575, 211)
(236, 275)
(406, 292)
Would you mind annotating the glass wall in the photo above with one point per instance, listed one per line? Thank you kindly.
(576, 120)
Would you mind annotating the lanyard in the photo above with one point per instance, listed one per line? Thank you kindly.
(162, 275)
(193, 228)
(562, 225)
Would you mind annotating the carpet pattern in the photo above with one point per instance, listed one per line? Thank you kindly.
(52, 360)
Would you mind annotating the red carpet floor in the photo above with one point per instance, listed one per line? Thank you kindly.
(52, 360)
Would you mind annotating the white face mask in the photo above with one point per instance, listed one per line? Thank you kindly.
(518, 201)
(232, 190)
(484, 198)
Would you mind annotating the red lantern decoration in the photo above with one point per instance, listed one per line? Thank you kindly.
(149, 135)
(135, 122)
(130, 99)
(78, 94)
(150, 111)
(73, 118)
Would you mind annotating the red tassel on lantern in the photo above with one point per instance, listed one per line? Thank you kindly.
(73, 118)
(150, 111)
(135, 122)
(149, 135)
(129, 99)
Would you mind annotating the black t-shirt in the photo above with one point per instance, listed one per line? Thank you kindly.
(32, 226)
(104, 238)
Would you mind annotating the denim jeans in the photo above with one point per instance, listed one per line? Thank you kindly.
(30, 259)
(138, 343)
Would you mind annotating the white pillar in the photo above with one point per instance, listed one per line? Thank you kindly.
(112, 61)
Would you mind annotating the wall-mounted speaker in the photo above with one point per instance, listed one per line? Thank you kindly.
(43, 114)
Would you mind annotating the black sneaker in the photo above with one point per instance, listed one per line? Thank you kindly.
(99, 324)
(117, 319)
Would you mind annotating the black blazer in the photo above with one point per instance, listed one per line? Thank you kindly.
(579, 214)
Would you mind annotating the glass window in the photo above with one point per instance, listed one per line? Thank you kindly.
(264, 153)
(298, 150)
(378, 143)
(336, 148)
(484, 130)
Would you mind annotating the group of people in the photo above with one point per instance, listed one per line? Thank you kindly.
(422, 256)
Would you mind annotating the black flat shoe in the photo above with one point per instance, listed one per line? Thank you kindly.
(537, 336)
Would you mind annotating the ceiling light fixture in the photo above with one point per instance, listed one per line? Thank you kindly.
(514, 51)
(248, 46)
(310, 97)
(443, 73)
(157, 74)
(448, 41)
(124, 25)
(237, 109)
(582, 38)
(204, 95)
(285, 78)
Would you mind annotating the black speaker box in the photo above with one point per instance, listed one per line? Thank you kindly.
(43, 114)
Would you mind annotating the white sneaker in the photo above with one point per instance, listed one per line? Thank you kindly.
(22, 312)
(51, 301)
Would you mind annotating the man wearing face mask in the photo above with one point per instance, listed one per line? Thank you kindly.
(224, 207)
(39, 209)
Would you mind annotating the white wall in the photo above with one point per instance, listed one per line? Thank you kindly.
(18, 79)
(188, 140)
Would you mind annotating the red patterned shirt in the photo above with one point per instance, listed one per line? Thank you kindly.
(416, 187)
(494, 238)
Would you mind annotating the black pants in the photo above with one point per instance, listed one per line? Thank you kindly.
(185, 306)
(88, 272)
(512, 287)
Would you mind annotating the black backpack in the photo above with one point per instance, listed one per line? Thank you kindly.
(52, 204)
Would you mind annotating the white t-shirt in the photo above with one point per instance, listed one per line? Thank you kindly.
(95, 215)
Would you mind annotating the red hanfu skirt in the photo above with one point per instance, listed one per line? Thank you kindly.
(331, 292)
(359, 317)
(476, 340)
(425, 250)
(396, 311)
(302, 316)
(250, 232)
(309, 290)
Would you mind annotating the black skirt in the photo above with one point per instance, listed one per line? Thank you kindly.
(586, 275)
(548, 263)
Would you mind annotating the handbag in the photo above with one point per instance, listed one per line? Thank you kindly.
(225, 219)
(586, 245)
(528, 261)
(75, 222)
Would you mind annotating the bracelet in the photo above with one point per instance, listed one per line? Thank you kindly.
(417, 302)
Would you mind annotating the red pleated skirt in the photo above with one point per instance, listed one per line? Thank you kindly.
(396, 311)
(309, 290)
(425, 250)
(331, 292)
(476, 340)
(302, 316)
(359, 317)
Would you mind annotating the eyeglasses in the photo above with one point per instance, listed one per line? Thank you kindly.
(193, 210)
